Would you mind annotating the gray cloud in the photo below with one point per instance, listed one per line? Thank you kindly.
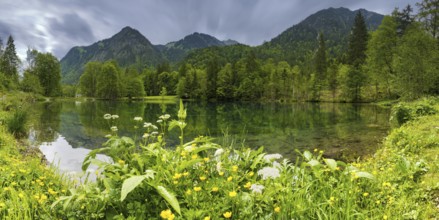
(56, 26)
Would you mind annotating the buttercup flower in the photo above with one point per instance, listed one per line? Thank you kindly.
(227, 214)
(277, 209)
(232, 193)
(197, 188)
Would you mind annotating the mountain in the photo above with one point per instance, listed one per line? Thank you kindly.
(335, 24)
(128, 47)
(176, 51)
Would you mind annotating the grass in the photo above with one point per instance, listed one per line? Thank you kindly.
(149, 181)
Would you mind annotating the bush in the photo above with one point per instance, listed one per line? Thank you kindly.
(404, 112)
(16, 123)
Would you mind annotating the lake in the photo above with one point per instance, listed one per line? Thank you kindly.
(66, 131)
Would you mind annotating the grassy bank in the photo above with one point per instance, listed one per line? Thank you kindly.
(148, 180)
(28, 186)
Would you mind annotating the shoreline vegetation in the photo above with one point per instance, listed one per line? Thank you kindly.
(398, 182)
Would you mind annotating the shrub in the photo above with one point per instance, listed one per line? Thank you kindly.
(404, 112)
(16, 123)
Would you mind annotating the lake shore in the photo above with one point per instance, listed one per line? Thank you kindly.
(403, 185)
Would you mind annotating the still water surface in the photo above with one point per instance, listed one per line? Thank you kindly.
(67, 130)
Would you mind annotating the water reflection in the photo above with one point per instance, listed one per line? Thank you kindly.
(343, 131)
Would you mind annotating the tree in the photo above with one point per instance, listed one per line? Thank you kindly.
(381, 51)
(403, 18)
(48, 70)
(9, 63)
(429, 15)
(225, 83)
(108, 84)
(89, 79)
(212, 70)
(356, 56)
(416, 63)
(321, 66)
(31, 82)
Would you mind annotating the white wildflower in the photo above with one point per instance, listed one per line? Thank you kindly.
(113, 128)
(189, 148)
(108, 136)
(154, 133)
(218, 152)
(154, 127)
(219, 167)
(270, 157)
(159, 121)
(146, 135)
(276, 164)
(115, 116)
(147, 124)
(165, 117)
(138, 119)
(107, 116)
(256, 188)
(269, 172)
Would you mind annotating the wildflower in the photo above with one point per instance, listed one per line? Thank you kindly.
(165, 214)
(277, 209)
(20, 195)
(121, 162)
(107, 116)
(321, 152)
(6, 188)
(138, 119)
(175, 182)
(146, 135)
(165, 117)
(315, 149)
(385, 217)
(227, 214)
(115, 116)
(269, 172)
(256, 188)
(230, 179)
(154, 133)
(365, 194)
(232, 193)
(147, 124)
(221, 173)
(270, 157)
(108, 136)
(276, 164)
(206, 159)
(154, 127)
(197, 189)
(195, 156)
(113, 128)
(189, 148)
(251, 173)
(386, 184)
(218, 166)
(218, 152)
(159, 121)
(214, 189)
(248, 185)
(2, 204)
(177, 176)
(188, 192)
(207, 218)
(378, 202)
(234, 168)
(186, 174)
(52, 192)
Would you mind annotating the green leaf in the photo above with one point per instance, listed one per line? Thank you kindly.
(204, 147)
(363, 174)
(307, 155)
(130, 184)
(185, 164)
(257, 161)
(169, 197)
(332, 164)
(313, 162)
(90, 157)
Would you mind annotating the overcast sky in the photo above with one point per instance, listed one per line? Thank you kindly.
(57, 25)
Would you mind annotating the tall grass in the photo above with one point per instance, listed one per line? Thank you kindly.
(16, 123)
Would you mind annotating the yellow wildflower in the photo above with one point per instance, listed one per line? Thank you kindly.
(175, 182)
(385, 217)
(206, 159)
(207, 218)
(20, 195)
(197, 188)
(177, 176)
(365, 194)
(227, 214)
(186, 174)
(214, 189)
(277, 209)
(202, 178)
(221, 173)
(251, 173)
(2, 204)
(121, 162)
(234, 168)
(248, 185)
(195, 156)
(232, 193)
(230, 179)
(189, 192)
(165, 214)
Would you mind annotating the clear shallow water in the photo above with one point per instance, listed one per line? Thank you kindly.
(67, 130)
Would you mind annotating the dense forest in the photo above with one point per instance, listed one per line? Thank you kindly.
(399, 59)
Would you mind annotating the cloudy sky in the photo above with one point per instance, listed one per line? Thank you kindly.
(57, 25)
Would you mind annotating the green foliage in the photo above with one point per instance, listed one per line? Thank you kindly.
(404, 112)
(429, 16)
(31, 83)
(9, 63)
(16, 123)
(48, 70)
(89, 79)
(108, 84)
